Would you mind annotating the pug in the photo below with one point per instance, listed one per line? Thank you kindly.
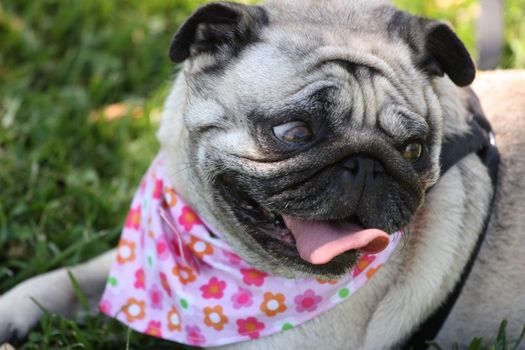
(310, 133)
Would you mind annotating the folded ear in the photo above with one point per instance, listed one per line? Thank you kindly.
(447, 54)
(222, 29)
(437, 49)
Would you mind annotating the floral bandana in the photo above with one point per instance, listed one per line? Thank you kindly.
(174, 279)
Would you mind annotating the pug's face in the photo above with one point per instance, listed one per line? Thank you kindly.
(312, 131)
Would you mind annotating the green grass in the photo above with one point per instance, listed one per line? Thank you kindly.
(66, 173)
(500, 342)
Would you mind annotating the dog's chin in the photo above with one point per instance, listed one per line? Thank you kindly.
(273, 233)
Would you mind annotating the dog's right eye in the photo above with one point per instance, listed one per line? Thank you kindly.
(296, 131)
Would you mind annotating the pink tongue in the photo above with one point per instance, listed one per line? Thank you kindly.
(318, 242)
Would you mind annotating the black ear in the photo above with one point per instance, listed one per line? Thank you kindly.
(437, 49)
(445, 53)
(220, 28)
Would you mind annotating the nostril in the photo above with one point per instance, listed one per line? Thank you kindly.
(363, 164)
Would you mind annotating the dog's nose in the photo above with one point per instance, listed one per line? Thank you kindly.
(361, 171)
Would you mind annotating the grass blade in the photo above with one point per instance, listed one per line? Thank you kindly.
(78, 291)
(518, 341)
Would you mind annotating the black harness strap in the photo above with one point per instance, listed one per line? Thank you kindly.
(479, 140)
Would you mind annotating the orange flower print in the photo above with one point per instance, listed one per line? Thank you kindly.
(125, 252)
(273, 304)
(154, 328)
(134, 310)
(133, 219)
(200, 248)
(174, 320)
(184, 273)
(370, 273)
(363, 263)
(188, 218)
(170, 197)
(213, 317)
(323, 281)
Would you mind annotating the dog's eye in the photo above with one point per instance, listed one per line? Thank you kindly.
(413, 151)
(295, 131)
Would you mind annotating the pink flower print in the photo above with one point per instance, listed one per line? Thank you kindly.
(133, 219)
(154, 328)
(307, 301)
(175, 247)
(155, 297)
(250, 327)
(188, 218)
(105, 307)
(362, 264)
(194, 336)
(243, 298)
(214, 289)
(232, 258)
(163, 249)
(140, 279)
(253, 277)
(157, 190)
(164, 283)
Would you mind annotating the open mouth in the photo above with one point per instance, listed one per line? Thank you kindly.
(316, 242)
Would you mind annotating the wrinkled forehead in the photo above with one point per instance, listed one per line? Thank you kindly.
(292, 61)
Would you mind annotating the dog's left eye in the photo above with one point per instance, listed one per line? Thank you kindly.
(296, 131)
(413, 151)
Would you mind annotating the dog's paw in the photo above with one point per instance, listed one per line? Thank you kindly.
(22, 307)
(18, 313)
